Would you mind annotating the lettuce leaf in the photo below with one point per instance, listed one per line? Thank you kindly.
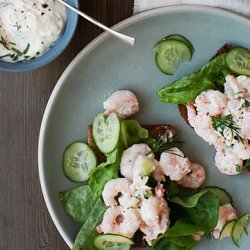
(132, 133)
(77, 203)
(186, 89)
(84, 239)
(106, 171)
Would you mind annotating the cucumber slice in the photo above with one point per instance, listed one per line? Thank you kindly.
(170, 54)
(78, 160)
(223, 196)
(146, 167)
(180, 38)
(238, 60)
(112, 242)
(239, 228)
(226, 231)
(106, 132)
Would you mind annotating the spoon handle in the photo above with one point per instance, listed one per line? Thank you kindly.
(129, 41)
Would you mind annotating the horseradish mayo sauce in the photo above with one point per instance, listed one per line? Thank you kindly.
(29, 27)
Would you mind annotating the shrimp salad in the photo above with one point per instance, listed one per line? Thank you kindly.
(223, 120)
(142, 190)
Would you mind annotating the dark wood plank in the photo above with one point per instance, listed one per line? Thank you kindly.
(24, 220)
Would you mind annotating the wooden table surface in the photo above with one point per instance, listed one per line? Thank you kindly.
(25, 223)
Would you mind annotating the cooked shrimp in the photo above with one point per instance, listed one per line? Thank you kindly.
(232, 88)
(159, 191)
(226, 213)
(210, 102)
(245, 81)
(113, 188)
(174, 164)
(129, 157)
(195, 178)
(117, 220)
(239, 110)
(143, 168)
(245, 127)
(241, 149)
(158, 174)
(155, 218)
(237, 87)
(122, 102)
(228, 163)
(202, 125)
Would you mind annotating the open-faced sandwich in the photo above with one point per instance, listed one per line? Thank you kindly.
(215, 101)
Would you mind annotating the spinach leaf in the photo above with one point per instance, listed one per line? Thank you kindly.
(201, 209)
(186, 89)
(132, 132)
(182, 228)
(106, 171)
(77, 203)
(176, 243)
(189, 201)
(171, 187)
(84, 239)
(205, 213)
(202, 217)
(199, 213)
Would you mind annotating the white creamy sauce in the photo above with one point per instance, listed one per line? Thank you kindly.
(29, 27)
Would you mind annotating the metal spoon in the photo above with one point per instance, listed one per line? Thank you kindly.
(129, 41)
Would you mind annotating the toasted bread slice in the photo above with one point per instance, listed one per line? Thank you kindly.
(182, 108)
(153, 130)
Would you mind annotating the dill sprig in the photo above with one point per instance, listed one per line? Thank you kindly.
(224, 123)
(164, 143)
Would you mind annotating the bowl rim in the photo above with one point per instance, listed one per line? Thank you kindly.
(84, 53)
(39, 62)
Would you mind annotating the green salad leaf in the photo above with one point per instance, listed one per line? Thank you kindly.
(106, 171)
(200, 213)
(132, 132)
(176, 243)
(84, 239)
(195, 213)
(171, 187)
(77, 202)
(189, 201)
(210, 76)
(205, 213)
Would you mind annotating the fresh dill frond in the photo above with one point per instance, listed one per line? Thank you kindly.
(164, 143)
(223, 124)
